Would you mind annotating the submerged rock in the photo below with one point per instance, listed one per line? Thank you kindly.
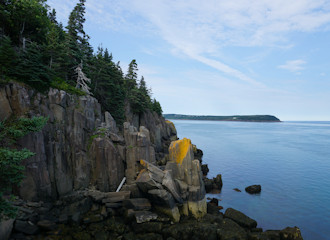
(253, 189)
(237, 190)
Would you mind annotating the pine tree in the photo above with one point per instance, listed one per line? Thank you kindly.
(11, 170)
(8, 58)
(131, 76)
(79, 49)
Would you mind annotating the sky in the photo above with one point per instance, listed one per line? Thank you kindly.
(220, 57)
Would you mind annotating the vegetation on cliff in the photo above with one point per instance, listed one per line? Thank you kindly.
(36, 49)
(11, 170)
(238, 118)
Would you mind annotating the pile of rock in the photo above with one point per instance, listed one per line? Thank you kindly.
(92, 214)
(179, 187)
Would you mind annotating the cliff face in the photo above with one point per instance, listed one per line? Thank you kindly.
(80, 147)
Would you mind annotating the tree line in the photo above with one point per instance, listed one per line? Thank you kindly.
(38, 50)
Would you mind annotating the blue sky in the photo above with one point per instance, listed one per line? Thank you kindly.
(220, 57)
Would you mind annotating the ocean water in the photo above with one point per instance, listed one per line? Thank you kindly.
(290, 160)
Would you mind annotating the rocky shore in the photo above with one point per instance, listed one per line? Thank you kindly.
(82, 157)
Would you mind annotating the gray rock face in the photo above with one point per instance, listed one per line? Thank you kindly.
(107, 166)
(65, 148)
(138, 146)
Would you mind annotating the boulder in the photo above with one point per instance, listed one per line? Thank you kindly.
(290, 233)
(164, 202)
(253, 189)
(240, 218)
(145, 216)
(213, 185)
(145, 182)
(231, 230)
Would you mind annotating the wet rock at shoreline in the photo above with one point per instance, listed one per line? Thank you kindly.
(240, 218)
(213, 185)
(253, 189)
(205, 169)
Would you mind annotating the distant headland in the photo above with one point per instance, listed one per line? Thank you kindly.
(238, 118)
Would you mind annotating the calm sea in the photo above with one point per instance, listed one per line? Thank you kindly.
(291, 161)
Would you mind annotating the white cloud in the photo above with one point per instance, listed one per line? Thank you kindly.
(199, 29)
(294, 65)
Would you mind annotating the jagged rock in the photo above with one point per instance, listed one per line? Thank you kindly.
(213, 185)
(218, 181)
(291, 234)
(237, 190)
(5, 228)
(164, 202)
(138, 146)
(145, 216)
(171, 130)
(137, 204)
(110, 123)
(198, 153)
(205, 169)
(253, 189)
(26, 227)
(161, 198)
(184, 168)
(134, 189)
(240, 218)
(146, 183)
(155, 173)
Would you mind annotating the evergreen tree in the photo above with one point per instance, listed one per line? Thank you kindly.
(156, 107)
(8, 58)
(131, 76)
(24, 21)
(79, 49)
(32, 68)
(11, 170)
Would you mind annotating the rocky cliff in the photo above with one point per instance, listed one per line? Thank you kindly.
(80, 146)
